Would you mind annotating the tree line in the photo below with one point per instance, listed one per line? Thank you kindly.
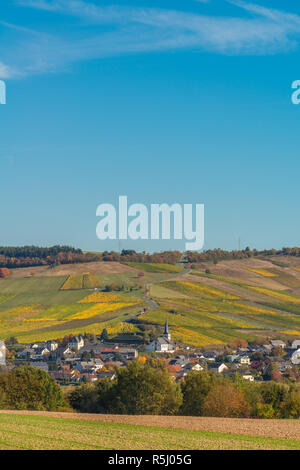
(144, 389)
(26, 256)
(147, 388)
(30, 256)
(218, 254)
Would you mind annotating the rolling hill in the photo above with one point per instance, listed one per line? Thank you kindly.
(205, 303)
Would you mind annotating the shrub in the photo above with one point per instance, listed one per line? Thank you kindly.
(84, 399)
(290, 407)
(265, 411)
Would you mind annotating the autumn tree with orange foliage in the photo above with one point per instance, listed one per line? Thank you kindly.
(239, 343)
(142, 359)
(4, 272)
(226, 402)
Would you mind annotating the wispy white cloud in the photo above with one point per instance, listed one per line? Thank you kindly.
(124, 30)
(6, 71)
(289, 19)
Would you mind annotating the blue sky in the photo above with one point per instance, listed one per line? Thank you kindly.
(163, 101)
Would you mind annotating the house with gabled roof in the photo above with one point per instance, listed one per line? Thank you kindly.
(76, 342)
(295, 344)
(51, 345)
(278, 343)
(216, 367)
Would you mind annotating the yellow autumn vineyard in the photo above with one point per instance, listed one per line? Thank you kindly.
(199, 313)
(80, 313)
(291, 332)
(199, 290)
(106, 297)
(263, 272)
(276, 295)
(98, 309)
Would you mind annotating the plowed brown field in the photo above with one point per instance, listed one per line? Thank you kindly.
(100, 267)
(280, 429)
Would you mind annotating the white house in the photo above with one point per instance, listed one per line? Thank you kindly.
(2, 353)
(162, 344)
(76, 343)
(278, 342)
(248, 376)
(295, 359)
(194, 366)
(218, 367)
(296, 344)
(93, 365)
(244, 360)
(232, 357)
(51, 345)
(40, 353)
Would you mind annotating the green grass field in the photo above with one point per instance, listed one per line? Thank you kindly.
(81, 281)
(26, 432)
(157, 267)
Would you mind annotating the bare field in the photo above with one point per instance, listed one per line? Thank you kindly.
(231, 289)
(100, 267)
(272, 428)
(239, 271)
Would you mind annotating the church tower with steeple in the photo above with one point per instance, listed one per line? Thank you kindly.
(166, 334)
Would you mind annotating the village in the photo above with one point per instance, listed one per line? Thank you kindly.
(89, 358)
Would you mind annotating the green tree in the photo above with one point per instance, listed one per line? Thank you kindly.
(274, 394)
(277, 351)
(290, 406)
(11, 341)
(250, 390)
(141, 389)
(265, 411)
(28, 388)
(86, 356)
(84, 398)
(194, 390)
(104, 335)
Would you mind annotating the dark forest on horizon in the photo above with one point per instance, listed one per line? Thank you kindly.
(29, 256)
